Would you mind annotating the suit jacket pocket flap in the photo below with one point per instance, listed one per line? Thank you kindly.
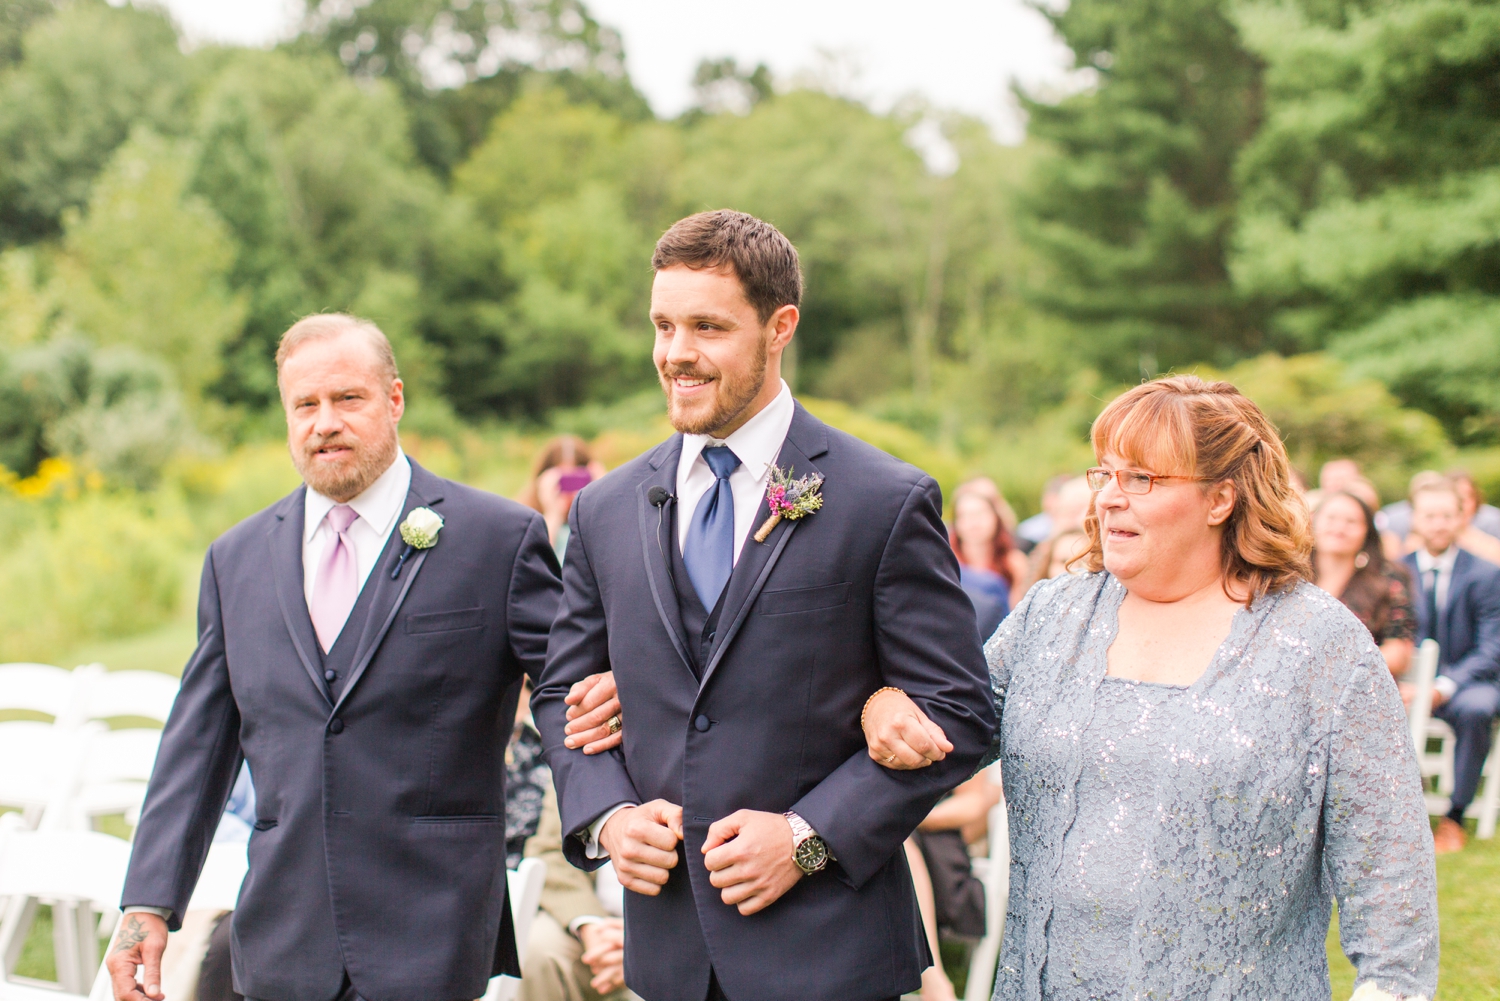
(803, 599)
(442, 622)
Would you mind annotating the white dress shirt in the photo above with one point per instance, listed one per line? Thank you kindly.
(378, 508)
(1443, 564)
(757, 442)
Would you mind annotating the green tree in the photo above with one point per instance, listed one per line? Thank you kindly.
(1135, 208)
(88, 75)
(1372, 196)
(146, 266)
(457, 63)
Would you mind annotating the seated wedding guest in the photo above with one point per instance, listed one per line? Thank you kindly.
(1038, 528)
(1052, 558)
(561, 469)
(949, 896)
(527, 781)
(1337, 474)
(1201, 750)
(1459, 606)
(576, 950)
(1073, 503)
(989, 566)
(1349, 563)
(1481, 534)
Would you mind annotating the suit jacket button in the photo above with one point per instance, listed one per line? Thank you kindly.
(701, 724)
(330, 675)
(336, 725)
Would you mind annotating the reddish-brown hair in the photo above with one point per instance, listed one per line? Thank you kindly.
(1002, 544)
(1184, 426)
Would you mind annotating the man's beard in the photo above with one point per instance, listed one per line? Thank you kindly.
(731, 397)
(344, 482)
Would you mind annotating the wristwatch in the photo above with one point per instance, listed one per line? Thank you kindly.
(809, 851)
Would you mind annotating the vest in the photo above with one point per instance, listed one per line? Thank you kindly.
(701, 625)
(338, 662)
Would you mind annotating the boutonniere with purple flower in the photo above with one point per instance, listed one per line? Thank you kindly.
(790, 498)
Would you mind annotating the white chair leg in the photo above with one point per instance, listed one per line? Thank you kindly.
(1489, 799)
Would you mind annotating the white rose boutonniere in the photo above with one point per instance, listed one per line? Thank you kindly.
(419, 531)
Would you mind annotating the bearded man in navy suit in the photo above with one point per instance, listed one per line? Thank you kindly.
(361, 643)
(761, 845)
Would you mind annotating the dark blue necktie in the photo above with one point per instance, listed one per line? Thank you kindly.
(708, 552)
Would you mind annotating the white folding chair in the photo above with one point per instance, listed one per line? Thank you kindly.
(1437, 766)
(42, 766)
(224, 870)
(79, 873)
(41, 688)
(995, 873)
(116, 769)
(130, 693)
(525, 891)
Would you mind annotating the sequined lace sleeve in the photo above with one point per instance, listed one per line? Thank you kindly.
(1377, 843)
(1002, 650)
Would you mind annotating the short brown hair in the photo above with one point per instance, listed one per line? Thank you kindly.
(1432, 482)
(762, 259)
(321, 326)
(1182, 425)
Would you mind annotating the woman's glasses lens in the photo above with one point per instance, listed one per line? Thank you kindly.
(1130, 482)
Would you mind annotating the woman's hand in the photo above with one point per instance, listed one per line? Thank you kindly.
(592, 703)
(900, 735)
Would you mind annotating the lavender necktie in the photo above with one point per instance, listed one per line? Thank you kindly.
(337, 584)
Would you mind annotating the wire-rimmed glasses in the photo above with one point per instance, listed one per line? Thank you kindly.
(1132, 481)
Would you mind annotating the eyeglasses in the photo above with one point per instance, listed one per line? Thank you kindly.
(1132, 481)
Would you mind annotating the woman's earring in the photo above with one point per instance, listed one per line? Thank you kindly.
(1361, 561)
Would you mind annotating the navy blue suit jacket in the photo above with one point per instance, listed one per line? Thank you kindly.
(379, 843)
(1468, 627)
(861, 594)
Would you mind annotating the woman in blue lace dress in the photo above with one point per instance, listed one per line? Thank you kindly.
(1201, 750)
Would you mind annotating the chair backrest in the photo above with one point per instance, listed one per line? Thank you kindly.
(37, 688)
(63, 865)
(224, 870)
(121, 756)
(525, 886)
(149, 694)
(41, 762)
(1421, 675)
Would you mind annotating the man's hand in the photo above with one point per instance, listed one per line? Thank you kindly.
(900, 735)
(604, 952)
(591, 703)
(1409, 692)
(642, 844)
(141, 940)
(749, 858)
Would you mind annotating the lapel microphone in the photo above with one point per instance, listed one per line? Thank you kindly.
(659, 498)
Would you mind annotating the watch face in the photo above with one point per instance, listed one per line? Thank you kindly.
(811, 855)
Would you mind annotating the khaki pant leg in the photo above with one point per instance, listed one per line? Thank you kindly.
(554, 971)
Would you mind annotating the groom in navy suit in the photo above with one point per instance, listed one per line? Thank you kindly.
(361, 644)
(761, 843)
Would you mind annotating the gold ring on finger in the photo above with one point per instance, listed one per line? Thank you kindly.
(613, 724)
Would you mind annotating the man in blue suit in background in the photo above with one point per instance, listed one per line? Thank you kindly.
(1459, 606)
(361, 644)
(762, 845)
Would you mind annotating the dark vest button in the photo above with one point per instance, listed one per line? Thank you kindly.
(336, 725)
(330, 675)
(701, 724)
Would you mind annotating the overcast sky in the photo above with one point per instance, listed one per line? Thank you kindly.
(959, 54)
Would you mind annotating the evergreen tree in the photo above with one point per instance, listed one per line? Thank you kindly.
(1372, 196)
(1134, 210)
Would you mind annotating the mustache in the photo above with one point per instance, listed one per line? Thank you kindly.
(686, 372)
(315, 442)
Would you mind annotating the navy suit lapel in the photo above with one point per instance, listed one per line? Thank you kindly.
(285, 539)
(806, 439)
(656, 536)
(426, 491)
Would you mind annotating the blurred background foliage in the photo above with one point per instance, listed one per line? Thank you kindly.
(1300, 195)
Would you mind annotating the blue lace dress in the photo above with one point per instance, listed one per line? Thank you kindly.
(1188, 842)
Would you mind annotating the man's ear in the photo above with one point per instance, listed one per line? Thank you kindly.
(783, 324)
(398, 399)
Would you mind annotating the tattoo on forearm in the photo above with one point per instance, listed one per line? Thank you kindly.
(131, 935)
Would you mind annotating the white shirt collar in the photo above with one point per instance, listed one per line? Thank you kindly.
(1443, 563)
(757, 442)
(378, 505)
